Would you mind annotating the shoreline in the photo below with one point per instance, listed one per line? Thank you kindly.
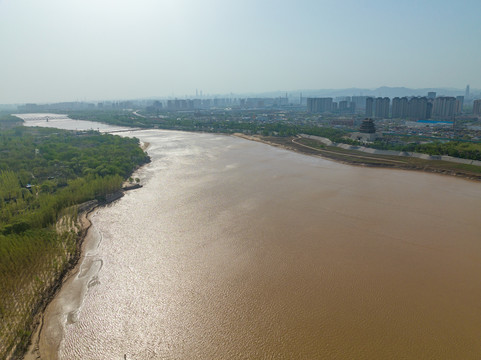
(34, 348)
(39, 347)
(346, 157)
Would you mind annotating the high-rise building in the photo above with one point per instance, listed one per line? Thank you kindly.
(346, 107)
(418, 108)
(302, 100)
(477, 107)
(352, 106)
(459, 104)
(466, 93)
(399, 107)
(343, 106)
(444, 107)
(369, 106)
(319, 105)
(381, 107)
(360, 101)
(312, 106)
(339, 99)
(429, 110)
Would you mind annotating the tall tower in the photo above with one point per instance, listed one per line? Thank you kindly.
(466, 93)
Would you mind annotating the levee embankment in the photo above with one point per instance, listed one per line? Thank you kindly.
(368, 150)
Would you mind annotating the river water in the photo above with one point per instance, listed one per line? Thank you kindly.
(237, 250)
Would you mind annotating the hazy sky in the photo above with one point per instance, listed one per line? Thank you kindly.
(66, 50)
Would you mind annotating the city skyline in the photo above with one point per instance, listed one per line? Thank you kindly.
(83, 50)
(292, 97)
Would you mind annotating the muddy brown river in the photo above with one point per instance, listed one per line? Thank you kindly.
(237, 250)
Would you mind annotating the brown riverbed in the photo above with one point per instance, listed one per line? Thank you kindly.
(238, 250)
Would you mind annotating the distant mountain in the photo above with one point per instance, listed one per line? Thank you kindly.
(383, 91)
(390, 92)
(403, 91)
(294, 95)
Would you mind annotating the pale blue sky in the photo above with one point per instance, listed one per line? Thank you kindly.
(65, 50)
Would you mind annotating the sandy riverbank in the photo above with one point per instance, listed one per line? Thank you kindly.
(42, 347)
(78, 276)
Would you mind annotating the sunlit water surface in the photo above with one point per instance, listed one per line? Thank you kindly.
(238, 250)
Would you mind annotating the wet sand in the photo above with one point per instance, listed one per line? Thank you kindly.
(235, 249)
(52, 319)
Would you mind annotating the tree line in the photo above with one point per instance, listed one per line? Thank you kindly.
(222, 123)
(43, 174)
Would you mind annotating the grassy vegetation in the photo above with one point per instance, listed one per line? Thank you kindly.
(8, 121)
(464, 150)
(362, 158)
(43, 174)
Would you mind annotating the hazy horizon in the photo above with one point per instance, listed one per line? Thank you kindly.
(382, 91)
(84, 50)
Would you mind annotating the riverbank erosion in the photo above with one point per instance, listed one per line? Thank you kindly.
(313, 147)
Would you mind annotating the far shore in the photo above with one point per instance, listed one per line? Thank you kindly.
(351, 157)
